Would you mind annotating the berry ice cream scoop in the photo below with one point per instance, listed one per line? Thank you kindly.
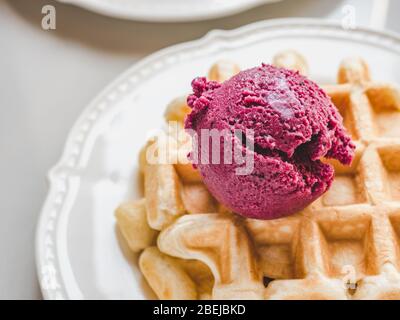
(293, 125)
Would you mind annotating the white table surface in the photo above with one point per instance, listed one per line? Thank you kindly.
(48, 77)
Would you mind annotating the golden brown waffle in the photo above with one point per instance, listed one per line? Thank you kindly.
(343, 246)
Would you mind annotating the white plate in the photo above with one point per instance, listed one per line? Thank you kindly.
(167, 10)
(79, 255)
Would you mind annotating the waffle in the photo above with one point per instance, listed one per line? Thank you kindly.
(345, 245)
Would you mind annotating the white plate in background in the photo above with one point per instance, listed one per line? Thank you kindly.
(167, 10)
(78, 251)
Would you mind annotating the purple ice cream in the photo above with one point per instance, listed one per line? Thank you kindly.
(294, 125)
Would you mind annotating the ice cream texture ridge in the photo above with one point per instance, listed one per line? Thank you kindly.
(295, 125)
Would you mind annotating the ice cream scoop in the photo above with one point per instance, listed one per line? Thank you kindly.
(293, 125)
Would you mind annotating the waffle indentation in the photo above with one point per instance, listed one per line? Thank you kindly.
(385, 104)
(347, 188)
(390, 156)
(282, 266)
(387, 124)
(345, 242)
